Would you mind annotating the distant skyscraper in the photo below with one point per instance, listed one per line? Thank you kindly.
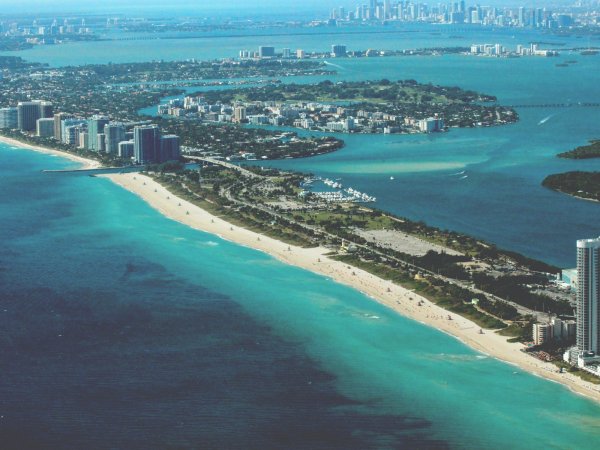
(588, 295)
(146, 144)
(338, 51)
(95, 127)
(266, 52)
(239, 114)
(114, 133)
(521, 16)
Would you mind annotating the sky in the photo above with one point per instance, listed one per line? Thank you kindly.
(200, 6)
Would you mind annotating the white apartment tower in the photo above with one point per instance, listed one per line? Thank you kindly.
(588, 295)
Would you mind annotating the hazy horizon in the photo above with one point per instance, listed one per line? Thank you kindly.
(137, 7)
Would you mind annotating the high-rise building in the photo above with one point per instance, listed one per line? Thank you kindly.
(114, 133)
(9, 118)
(542, 332)
(46, 109)
(126, 149)
(338, 51)
(67, 130)
(588, 295)
(239, 114)
(146, 144)
(95, 127)
(71, 133)
(83, 142)
(58, 118)
(101, 143)
(45, 127)
(30, 112)
(169, 148)
(266, 52)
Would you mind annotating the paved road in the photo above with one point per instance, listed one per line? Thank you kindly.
(313, 229)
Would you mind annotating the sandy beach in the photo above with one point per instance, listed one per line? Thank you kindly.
(393, 296)
(86, 163)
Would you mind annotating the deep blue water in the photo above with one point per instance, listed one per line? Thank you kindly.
(105, 345)
(123, 329)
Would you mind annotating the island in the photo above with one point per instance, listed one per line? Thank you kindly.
(382, 106)
(580, 184)
(585, 185)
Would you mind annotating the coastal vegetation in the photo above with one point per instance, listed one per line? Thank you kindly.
(471, 282)
(584, 185)
(592, 150)
(230, 140)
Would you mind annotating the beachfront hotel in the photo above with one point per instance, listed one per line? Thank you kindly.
(586, 354)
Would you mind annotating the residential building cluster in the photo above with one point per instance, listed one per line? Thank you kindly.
(556, 330)
(43, 33)
(310, 116)
(499, 50)
(143, 144)
(455, 13)
(269, 52)
(586, 353)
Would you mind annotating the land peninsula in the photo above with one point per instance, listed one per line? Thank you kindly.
(592, 150)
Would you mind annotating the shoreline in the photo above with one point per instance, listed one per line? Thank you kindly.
(395, 297)
(399, 299)
(85, 162)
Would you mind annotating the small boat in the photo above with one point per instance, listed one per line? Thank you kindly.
(392, 178)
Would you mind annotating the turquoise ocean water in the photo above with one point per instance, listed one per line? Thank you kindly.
(115, 318)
